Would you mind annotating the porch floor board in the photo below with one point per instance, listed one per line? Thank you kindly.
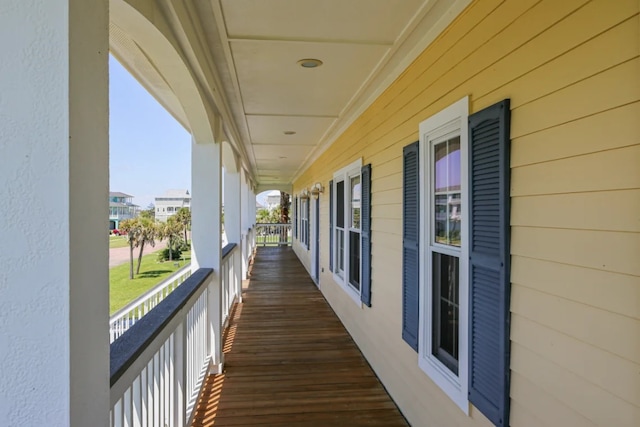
(289, 361)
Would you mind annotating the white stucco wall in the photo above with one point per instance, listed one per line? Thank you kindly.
(54, 165)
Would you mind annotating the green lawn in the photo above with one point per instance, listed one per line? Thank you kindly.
(122, 290)
(118, 242)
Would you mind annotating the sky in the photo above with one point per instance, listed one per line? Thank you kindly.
(149, 151)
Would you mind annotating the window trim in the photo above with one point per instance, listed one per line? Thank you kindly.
(344, 175)
(451, 119)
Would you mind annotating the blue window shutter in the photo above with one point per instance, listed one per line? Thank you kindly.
(295, 217)
(410, 244)
(331, 225)
(489, 282)
(365, 234)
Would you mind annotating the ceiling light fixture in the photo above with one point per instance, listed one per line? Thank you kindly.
(309, 63)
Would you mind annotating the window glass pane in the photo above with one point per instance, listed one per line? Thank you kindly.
(445, 321)
(354, 259)
(340, 204)
(446, 189)
(355, 202)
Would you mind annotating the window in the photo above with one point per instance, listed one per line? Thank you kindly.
(304, 221)
(347, 231)
(443, 251)
(455, 283)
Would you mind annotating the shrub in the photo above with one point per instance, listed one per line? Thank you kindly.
(163, 255)
(183, 246)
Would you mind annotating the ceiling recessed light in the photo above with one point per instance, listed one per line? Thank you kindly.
(289, 132)
(309, 63)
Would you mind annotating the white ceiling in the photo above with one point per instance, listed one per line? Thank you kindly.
(255, 46)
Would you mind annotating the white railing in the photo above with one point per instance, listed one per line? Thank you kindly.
(159, 366)
(231, 283)
(128, 315)
(273, 234)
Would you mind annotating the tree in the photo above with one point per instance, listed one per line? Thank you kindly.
(285, 203)
(150, 212)
(183, 216)
(148, 234)
(266, 216)
(172, 231)
(132, 229)
(262, 216)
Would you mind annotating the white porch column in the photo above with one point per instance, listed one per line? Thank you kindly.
(245, 224)
(232, 208)
(54, 169)
(206, 202)
(253, 218)
(232, 223)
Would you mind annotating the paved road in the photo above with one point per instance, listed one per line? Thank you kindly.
(119, 256)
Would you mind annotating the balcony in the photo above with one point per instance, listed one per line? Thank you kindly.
(287, 358)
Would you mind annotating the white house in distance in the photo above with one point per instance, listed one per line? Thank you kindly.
(121, 207)
(273, 199)
(171, 202)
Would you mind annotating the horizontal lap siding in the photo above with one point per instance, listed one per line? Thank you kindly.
(571, 71)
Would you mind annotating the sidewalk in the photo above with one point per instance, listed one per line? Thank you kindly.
(119, 256)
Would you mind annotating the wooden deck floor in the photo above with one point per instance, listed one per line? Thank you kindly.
(289, 361)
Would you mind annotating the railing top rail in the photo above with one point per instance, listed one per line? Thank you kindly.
(273, 223)
(228, 249)
(133, 304)
(126, 349)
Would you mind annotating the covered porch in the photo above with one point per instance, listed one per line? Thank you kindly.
(321, 100)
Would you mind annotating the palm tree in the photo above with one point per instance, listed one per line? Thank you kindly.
(133, 231)
(285, 202)
(171, 230)
(148, 234)
(183, 216)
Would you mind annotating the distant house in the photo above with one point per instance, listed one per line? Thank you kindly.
(171, 202)
(121, 207)
(273, 199)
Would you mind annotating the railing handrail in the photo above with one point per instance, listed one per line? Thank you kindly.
(274, 234)
(137, 339)
(226, 251)
(142, 298)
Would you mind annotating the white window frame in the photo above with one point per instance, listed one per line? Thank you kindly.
(345, 174)
(451, 121)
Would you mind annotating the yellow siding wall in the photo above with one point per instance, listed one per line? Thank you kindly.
(572, 71)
